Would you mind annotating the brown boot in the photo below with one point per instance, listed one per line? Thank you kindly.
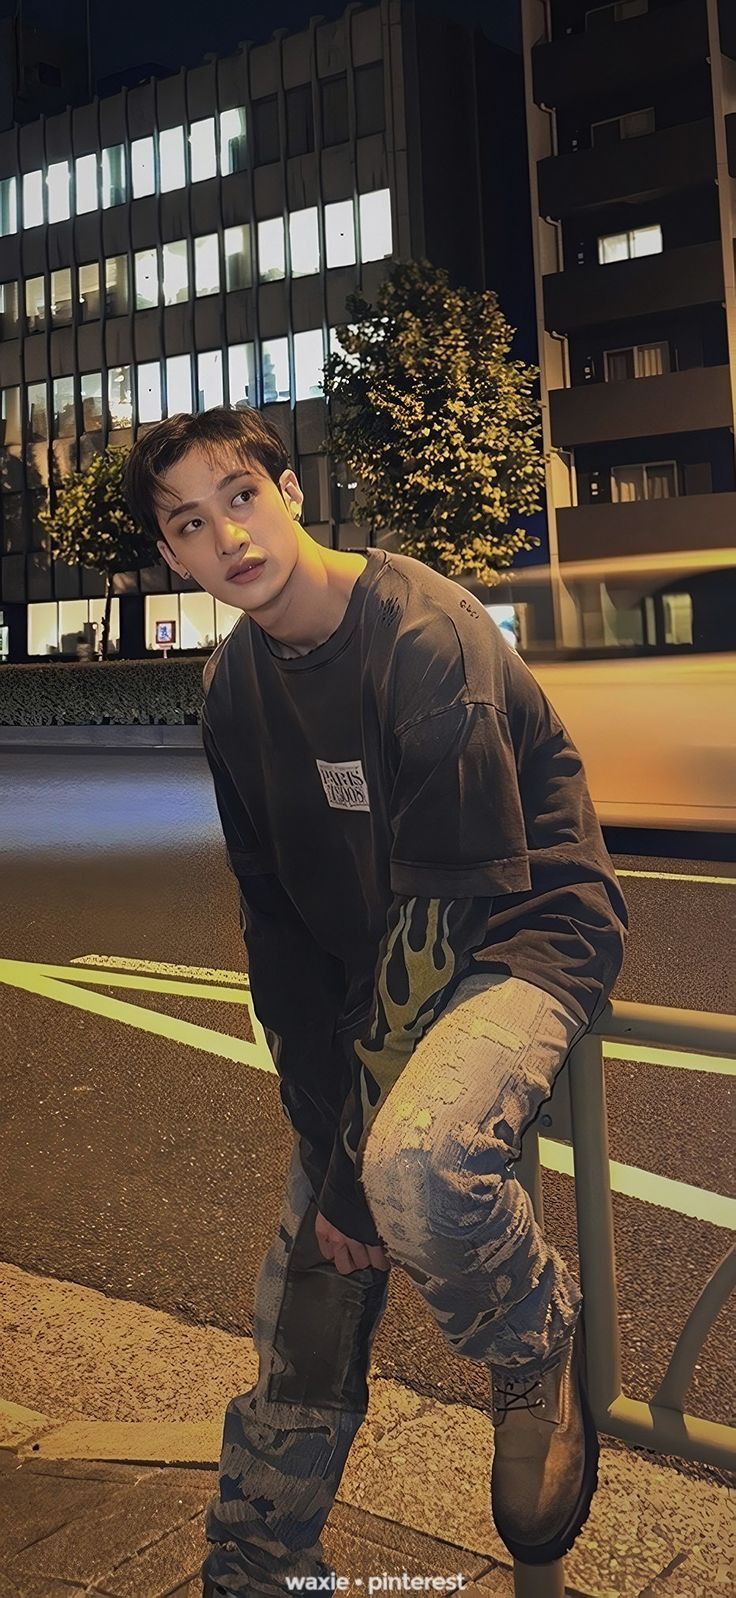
(545, 1465)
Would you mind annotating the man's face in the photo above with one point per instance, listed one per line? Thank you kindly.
(219, 513)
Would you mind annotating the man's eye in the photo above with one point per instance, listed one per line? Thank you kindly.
(196, 521)
(240, 494)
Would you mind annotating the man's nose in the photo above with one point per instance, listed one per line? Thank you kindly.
(231, 536)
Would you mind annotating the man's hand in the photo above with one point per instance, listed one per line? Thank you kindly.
(346, 1253)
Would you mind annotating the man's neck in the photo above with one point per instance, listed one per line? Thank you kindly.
(342, 571)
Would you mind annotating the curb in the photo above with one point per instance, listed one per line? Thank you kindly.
(179, 738)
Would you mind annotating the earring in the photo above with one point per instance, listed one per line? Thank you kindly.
(294, 508)
(184, 574)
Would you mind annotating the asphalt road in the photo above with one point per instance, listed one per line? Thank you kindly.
(152, 1170)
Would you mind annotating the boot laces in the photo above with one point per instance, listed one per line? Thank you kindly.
(512, 1394)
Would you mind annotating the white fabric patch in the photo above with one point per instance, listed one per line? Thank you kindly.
(344, 784)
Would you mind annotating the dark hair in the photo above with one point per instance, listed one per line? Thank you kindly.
(245, 432)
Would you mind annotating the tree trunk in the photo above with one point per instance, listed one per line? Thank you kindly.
(106, 617)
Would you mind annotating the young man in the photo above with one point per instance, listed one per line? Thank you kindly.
(432, 920)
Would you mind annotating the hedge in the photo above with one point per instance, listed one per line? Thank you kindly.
(115, 692)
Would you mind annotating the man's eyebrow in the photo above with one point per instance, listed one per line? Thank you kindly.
(191, 504)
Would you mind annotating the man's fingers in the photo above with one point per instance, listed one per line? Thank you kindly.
(377, 1258)
(341, 1259)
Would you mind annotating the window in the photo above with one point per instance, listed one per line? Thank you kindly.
(149, 392)
(233, 153)
(10, 415)
(313, 478)
(657, 480)
(89, 291)
(309, 360)
(146, 279)
(241, 375)
(176, 272)
(202, 150)
(113, 176)
(178, 384)
(120, 396)
(87, 198)
(35, 304)
(206, 265)
(116, 285)
(677, 612)
(209, 380)
(630, 126)
(271, 256)
(237, 257)
(57, 184)
(335, 347)
(642, 360)
(38, 419)
(375, 225)
(340, 234)
(61, 296)
(624, 246)
(8, 310)
(32, 199)
(266, 130)
(65, 422)
(304, 242)
(8, 207)
(299, 120)
(334, 96)
(275, 370)
(370, 113)
(143, 167)
(602, 16)
(171, 159)
(91, 402)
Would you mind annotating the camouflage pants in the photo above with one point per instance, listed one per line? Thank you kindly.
(438, 1176)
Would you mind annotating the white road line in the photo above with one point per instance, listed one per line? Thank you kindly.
(680, 1197)
(715, 1064)
(677, 876)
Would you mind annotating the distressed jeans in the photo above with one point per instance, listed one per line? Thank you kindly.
(439, 1180)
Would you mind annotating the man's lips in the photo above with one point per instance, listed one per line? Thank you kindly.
(244, 568)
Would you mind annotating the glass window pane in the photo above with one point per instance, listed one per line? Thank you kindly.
(149, 392)
(661, 480)
(308, 363)
(171, 159)
(299, 120)
(206, 265)
(242, 375)
(627, 483)
(143, 167)
(86, 184)
(116, 284)
(336, 348)
(340, 233)
(120, 396)
(237, 257)
(35, 304)
(61, 296)
(304, 242)
(92, 402)
(266, 145)
(113, 175)
(646, 240)
(178, 384)
(613, 247)
(65, 422)
(232, 140)
(57, 182)
(370, 114)
(89, 291)
(202, 150)
(10, 415)
(334, 93)
(8, 207)
(209, 380)
(176, 272)
(275, 370)
(375, 225)
(32, 199)
(271, 252)
(619, 365)
(8, 310)
(146, 279)
(38, 421)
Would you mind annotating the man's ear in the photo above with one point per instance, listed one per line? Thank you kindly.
(170, 559)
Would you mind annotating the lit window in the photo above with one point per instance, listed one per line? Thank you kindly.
(35, 304)
(149, 392)
(8, 310)
(275, 370)
(32, 199)
(10, 415)
(206, 265)
(340, 233)
(8, 207)
(38, 420)
(202, 150)
(304, 242)
(657, 480)
(237, 257)
(89, 291)
(116, 285)
(375, 225)
(271, 256)
(143, 167)
(176, 272)
(336, 348)
(65, 422)
(242, 375)
(120, 396)
(92, 402)
(61, 296)
(57, 183)
(171, 159)
(178, 384)
(86, 184)
(113, 176)
(232, 141)
(309, 360)
(625, 246)
(209, 380)
(146, 279)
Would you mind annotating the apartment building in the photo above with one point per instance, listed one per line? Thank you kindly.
(631, 121)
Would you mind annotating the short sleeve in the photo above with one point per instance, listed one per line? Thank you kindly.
(246, 855)
(456, 810)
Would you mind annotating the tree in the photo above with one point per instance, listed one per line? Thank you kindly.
(439, 426)
(90, 525)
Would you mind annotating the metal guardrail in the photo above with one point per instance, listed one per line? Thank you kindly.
(576, 1114)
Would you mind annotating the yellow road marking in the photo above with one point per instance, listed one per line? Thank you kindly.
(677, 876)
(649, 1188)
(717, 1065)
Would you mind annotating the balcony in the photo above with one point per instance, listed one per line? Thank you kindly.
(586, 295)
(639, 53)
(647, 526)
(673, 158)
(641, 407)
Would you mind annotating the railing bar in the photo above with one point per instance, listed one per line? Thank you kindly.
(683, 1029)
(595, 1224)
(672, 1390)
